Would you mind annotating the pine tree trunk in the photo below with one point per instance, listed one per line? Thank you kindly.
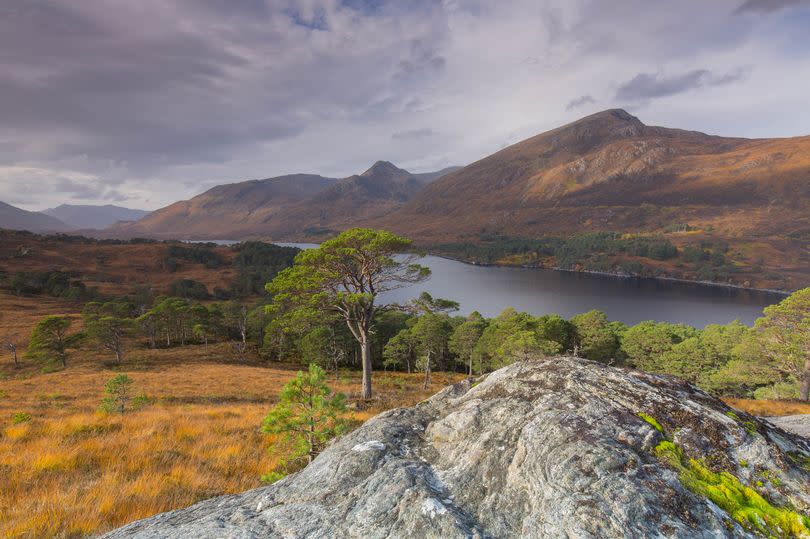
(427, 372)
(366, 358)
(805, 388)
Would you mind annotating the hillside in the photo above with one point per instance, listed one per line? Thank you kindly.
(225, 211)
(117, 268)
(14, 218)
(284, 207)
(89, 216)
(606, 170)
(561, 447)
(611, 172)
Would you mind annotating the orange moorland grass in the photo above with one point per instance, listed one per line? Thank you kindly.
(72, 471)
(769, 407)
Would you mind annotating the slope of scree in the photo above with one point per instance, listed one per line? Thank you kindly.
(561, 447)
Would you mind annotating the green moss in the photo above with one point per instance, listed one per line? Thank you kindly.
(745, 505)
(744, 463)
(800, 460)
(749, 426)
(651, 420)
(768, 475)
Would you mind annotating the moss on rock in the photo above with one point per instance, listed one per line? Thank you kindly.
(744, 504)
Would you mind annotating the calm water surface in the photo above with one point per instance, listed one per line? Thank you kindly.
(489, 290)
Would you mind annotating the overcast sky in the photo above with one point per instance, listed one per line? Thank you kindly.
(141, 103)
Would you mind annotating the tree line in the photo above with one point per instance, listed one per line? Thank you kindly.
(324, 309)
(613, 252)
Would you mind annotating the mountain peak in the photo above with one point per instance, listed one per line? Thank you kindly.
(611, 116)
(383, 168)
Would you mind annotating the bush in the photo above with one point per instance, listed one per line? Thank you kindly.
(58, 284)
(779, 391)
(117, 394)
(188, 289)
(200, 254)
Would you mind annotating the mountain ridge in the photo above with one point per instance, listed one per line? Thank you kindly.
(14, 218)
(601, 172)
(294, 204)
(90, 216)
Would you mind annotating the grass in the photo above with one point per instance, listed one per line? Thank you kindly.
(767, 408)
(73, 471)
(69, 471)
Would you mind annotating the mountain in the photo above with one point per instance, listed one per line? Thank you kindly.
(14, 218)
(609, 171)
(227, 211)
(284, 207)
(427, 177)
(87, 216)
(559, 447)
(348, 202)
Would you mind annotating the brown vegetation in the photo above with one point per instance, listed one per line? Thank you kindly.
(114, 269)
(70, 470)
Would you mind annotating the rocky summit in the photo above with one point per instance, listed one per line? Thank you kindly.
(560, 447)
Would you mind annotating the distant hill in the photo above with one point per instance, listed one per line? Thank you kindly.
(296, 205)
(611, 171)
(88, 216)
(14, 218)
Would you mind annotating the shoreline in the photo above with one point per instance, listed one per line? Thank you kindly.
(774, 291)
(619, 275)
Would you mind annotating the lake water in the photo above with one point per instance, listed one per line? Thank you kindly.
(490, 289)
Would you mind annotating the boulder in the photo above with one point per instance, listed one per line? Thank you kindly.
(559, 447)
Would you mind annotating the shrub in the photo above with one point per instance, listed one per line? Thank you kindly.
(188, 289)
(117, 394)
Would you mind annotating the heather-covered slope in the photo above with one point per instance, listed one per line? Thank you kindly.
(226, 211)
(609, 171)
(287, 207)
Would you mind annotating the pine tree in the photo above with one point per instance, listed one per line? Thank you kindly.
(305, 419)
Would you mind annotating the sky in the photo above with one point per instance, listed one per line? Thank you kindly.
(144, 103)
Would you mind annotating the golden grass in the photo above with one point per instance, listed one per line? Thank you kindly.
(769, 407)
(71, 471)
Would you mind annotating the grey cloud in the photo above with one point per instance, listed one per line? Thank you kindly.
(580, 102)
(152, 99)
(768, 6)
(652, 85)
(413, 134)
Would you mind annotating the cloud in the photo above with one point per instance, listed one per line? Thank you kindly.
(158, 99)
(768, 6)
(580, 101)
(652, 85)
(413, 134)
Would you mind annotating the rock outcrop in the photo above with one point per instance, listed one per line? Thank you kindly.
(561, 447)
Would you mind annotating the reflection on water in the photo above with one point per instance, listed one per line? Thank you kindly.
(490, 289)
